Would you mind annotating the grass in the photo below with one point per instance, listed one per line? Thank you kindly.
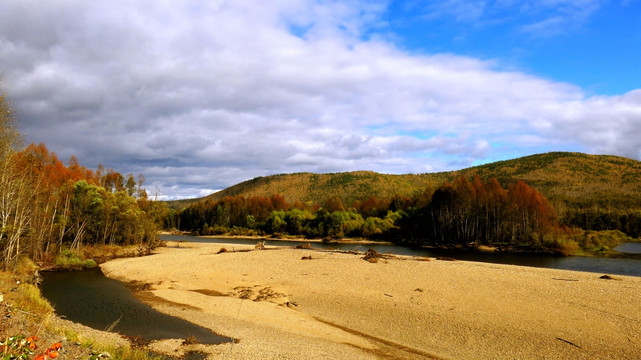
(31, 300)
(23, 296)
(70, 260)
(99, 350)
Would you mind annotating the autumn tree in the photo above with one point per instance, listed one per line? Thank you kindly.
(15, 189)
(464, 212)
(46, 206)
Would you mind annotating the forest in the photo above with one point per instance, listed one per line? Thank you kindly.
(50, 210)
(466, 212)
(596, 193)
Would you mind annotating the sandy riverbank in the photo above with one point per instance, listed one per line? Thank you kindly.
(267, 240)
(338, 306)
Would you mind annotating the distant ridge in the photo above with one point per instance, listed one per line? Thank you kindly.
(565, 178)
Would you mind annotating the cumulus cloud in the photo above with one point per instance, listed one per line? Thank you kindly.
(200, 95)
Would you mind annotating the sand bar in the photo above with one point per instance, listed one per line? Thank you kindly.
(339, 306)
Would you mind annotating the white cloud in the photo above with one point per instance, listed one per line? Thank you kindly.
(203, 95)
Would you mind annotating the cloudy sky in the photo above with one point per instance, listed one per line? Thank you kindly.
(200, 95)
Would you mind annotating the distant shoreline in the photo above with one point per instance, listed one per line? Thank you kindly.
(292, 239)
(303, 240)
(480, 248)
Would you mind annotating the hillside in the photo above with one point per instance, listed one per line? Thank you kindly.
(316, 188)
(573, 179)
(349, 186)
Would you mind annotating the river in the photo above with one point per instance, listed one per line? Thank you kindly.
(611, 266)
(92, 299)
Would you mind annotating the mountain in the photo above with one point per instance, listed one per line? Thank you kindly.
(566, 179)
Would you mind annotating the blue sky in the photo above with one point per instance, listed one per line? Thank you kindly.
(200, 95)
(593, 44)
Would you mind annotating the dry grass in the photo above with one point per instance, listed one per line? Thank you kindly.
(23, 296)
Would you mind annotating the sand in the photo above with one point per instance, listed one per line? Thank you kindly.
(339, 306)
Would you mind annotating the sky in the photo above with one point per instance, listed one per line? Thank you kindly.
(201, 95)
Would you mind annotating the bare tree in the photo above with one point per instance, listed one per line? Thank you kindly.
(16, 189)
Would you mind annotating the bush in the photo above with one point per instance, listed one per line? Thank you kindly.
(68, 259)
(218, 230)
(602, 240)
(572, 240)
(563, 244)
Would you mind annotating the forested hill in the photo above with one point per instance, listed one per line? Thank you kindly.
(574, 179)
(316, 188)
(348, 186)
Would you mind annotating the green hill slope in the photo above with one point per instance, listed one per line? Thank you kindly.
(349, 186)
(566, 179)
(573, 178)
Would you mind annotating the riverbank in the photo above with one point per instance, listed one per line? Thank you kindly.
(25, 315)
(602, 252)
(356, 241)
(337, 305)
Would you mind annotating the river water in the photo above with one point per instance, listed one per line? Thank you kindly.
(611, 266)
(92, 299)
(630, 248)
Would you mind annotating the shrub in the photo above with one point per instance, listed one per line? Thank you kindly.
(307, 246)
(68, 259)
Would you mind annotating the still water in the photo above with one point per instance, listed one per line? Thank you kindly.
(92, 299)
(630, 248)
(612, 266)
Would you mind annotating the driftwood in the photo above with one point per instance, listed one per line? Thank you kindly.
(608, 277)
(444, 258)
(568, 342)
(372, 255)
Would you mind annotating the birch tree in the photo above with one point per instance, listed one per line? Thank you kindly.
(15, 190)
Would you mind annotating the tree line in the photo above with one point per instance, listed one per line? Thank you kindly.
(465, 211)
(47, 206)
(626, 220)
